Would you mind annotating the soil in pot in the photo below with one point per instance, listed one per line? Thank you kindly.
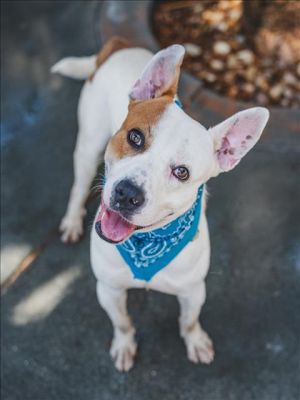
(245, 49)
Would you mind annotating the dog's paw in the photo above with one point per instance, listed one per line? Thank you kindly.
(199, 346)
(71, 228)
(123, 351)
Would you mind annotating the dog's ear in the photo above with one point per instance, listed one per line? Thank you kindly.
(161, 75)
(235, 136)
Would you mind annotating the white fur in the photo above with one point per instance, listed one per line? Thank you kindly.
(178, 139)
(75, 67)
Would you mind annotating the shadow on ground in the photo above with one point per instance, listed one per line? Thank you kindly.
(55, 336)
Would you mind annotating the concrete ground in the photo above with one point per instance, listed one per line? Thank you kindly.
(55, 337)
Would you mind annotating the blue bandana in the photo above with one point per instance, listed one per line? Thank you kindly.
(147, 253)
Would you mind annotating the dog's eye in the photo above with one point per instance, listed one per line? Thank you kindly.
(181, 173)
(136, 138)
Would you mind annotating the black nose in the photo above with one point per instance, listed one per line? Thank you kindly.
(127, 196)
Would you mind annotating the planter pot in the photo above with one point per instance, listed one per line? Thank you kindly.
(132, 19)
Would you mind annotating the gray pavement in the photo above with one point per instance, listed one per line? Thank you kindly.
(38, 124)
(55, 337)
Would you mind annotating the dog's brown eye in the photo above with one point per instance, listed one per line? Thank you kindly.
(136, 138)
(181, 173)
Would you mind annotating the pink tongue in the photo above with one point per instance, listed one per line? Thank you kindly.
(113, 226)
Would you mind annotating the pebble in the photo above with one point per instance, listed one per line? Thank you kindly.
(289, 78)
(261, 83)
(288, 93)
(229, 77)
(209, 77)
(246, 56)
(225, 4)
(233, 91)
(284, 102)
(240, 38)
(192, 49)
(262, 98)
(217, 65)
(232, 61)
(298, 69)
(213, 17)
(276, 91)
(248, 88)
(251, 73)
(222, 48)
(234, 14)
(222, 26)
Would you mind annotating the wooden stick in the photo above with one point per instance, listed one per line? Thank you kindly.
(27, 261)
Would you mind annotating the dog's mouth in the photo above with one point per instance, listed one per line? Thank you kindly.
(112, 227)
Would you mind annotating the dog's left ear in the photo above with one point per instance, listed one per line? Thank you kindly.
(235, 136)
(160, 76)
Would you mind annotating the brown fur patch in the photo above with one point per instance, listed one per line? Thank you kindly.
(142, 115)
(111, 46)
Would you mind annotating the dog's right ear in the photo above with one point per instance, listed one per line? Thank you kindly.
(235, 136)
(160, 76)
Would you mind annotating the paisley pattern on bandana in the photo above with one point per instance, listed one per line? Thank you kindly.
(147, 253)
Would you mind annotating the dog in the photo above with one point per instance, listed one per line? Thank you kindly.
(150, 230)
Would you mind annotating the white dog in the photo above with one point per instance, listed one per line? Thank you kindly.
(150, 230)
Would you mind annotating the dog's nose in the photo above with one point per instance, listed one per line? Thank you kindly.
(128, 197)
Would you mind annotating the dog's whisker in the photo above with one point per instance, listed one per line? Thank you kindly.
(97, 188)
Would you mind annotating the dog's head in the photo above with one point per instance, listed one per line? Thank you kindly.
(160, 156)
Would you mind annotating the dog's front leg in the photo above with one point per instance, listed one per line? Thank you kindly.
(87, 157)
(123, 348)
(198, 344)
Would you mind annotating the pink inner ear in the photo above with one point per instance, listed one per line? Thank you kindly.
(153, 81)
(226, 155)
(142, 91)
(159, 74)
(239, 139)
